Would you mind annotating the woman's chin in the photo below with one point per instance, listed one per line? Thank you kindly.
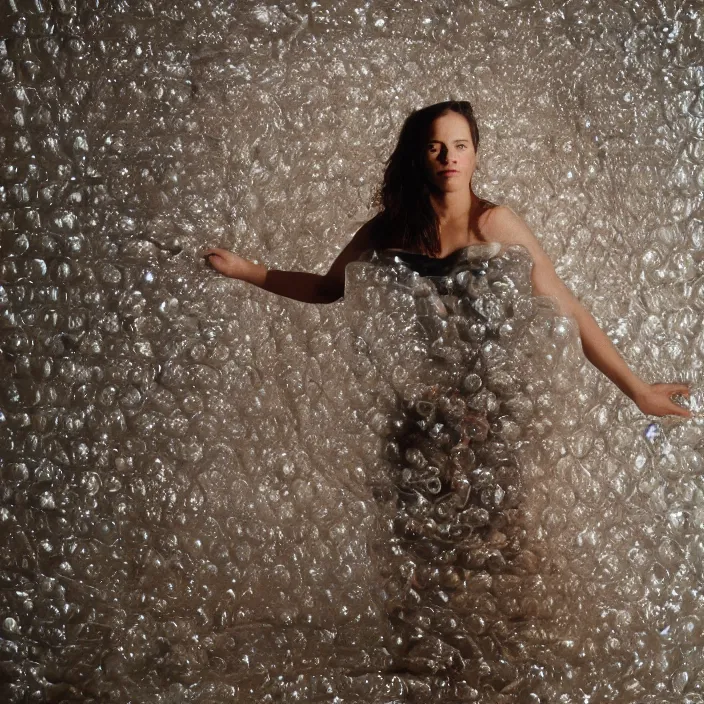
(453, 186)
(448, 185)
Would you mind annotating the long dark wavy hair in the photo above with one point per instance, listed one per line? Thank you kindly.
(404, 196)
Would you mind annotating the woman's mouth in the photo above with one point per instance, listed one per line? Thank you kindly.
(449, 172)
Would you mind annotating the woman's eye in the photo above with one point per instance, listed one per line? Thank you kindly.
(462, 146)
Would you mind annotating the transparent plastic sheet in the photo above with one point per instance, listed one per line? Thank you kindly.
(195, 500)
(528, 560)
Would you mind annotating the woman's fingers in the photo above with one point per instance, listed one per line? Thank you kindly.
(217, 251)
(682, 411)
(678, 389)
(676, 408)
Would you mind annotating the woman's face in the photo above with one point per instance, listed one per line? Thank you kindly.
(450, 158)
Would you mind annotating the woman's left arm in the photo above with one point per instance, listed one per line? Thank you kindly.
(653, 399)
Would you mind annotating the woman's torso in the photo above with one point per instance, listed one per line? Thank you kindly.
(478, 232)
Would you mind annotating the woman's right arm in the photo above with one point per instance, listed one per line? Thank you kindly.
(299, 285)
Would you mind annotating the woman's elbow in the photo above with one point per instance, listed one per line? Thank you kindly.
(333, 297)
(330, 291)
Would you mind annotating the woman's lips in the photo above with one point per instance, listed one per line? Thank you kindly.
(449, 172)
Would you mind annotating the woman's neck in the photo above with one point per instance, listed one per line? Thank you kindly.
(454, 207)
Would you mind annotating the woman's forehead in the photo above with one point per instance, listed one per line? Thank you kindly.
(453, 125)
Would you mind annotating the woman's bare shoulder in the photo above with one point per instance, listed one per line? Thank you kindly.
(501, 223)
(504, 225)
(364, 239)
(376, 231)
(367, 234)
(491, 212)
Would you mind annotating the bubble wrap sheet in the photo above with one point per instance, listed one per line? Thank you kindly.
(421, 493)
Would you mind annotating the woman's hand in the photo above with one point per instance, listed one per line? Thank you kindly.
(654, 400)
(230, 264)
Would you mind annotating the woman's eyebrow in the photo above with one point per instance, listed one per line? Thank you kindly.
(433, 141)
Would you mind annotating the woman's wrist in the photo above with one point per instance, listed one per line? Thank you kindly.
(636, 387)
(256, 274)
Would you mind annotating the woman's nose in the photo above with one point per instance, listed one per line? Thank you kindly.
(445, 156)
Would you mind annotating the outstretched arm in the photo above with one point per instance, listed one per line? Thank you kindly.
(507, 227)
(298, 285)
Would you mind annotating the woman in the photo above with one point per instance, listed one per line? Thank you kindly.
(430, 209)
